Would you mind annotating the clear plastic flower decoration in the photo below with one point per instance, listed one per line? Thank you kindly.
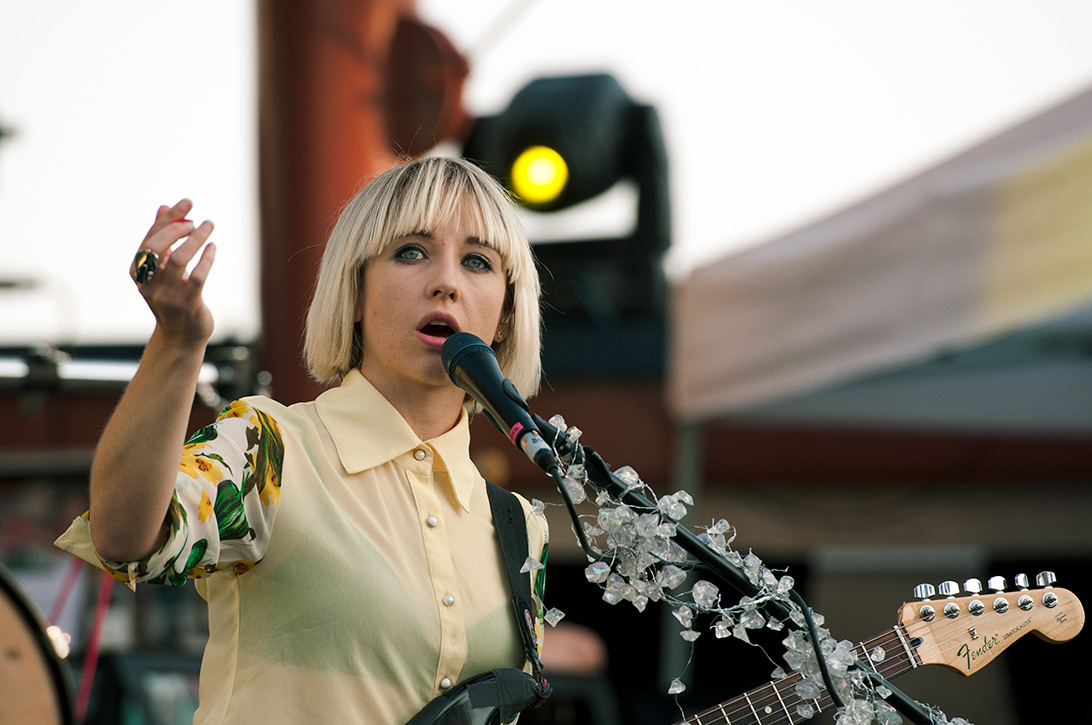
(636, 560)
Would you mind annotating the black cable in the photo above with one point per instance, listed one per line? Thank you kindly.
(813, 633)
(577, 528)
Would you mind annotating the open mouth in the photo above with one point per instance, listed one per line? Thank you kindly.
(437, 329)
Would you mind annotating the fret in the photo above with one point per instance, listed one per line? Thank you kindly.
(753, 710)
(762, 707)
(898, 656)
(901, 634)
(770, 704)
(782, 701)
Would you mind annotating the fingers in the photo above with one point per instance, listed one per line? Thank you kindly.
(168, 214)
(170, 227)
(170, 218)
(200, 271)
(183, 259)
(177, 259)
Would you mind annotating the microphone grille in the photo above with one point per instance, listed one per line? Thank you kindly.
(459, 346)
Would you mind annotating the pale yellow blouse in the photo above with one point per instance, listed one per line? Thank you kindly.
(353, 582)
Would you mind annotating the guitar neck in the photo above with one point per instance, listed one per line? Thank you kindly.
(775, 703)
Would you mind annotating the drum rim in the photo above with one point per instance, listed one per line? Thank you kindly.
(37, 622)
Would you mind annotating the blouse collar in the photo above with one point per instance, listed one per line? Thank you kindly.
(368, 431)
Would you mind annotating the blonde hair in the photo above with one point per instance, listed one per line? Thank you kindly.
(406, 198)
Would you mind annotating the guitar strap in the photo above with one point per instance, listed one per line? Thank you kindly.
(512, 530)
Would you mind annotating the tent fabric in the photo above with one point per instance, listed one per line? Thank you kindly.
(994, 239)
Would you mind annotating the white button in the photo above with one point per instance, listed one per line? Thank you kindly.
(431, 521)
(419, 454)
(445, 683)
(449, 600)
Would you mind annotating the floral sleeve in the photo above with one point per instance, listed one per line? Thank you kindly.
(226, 496)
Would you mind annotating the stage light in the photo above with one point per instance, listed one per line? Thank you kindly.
(539, 176)
(568, 140)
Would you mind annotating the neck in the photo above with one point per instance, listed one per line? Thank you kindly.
(429, 411)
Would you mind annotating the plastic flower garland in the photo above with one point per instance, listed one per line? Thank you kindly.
(638, 561)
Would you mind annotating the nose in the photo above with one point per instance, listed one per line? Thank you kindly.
(444, 280)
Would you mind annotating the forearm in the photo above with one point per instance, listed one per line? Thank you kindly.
(136, 461)
(135, 464)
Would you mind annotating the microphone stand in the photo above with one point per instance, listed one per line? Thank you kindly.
(602, 479)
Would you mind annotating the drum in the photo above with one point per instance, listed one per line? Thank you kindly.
(34, 680)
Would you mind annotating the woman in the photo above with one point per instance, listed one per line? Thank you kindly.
(345, 546)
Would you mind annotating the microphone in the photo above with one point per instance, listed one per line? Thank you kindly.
(472, 365)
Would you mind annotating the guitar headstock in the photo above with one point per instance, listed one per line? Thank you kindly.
(966, 633)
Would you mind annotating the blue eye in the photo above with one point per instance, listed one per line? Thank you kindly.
(409, 253)
(478, 262)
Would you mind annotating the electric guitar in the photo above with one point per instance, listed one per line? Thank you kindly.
(963, 634)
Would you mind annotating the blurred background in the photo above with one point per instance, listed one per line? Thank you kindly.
(826, 266)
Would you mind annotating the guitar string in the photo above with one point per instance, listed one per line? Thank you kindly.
(943, 635)
(781, 710)
(951, 632)
(757, 703)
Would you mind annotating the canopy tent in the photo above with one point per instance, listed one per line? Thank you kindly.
(960, 297)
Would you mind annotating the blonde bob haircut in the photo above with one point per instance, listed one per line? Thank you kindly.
(420, 196)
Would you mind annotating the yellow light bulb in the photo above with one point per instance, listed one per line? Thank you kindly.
(539, 175)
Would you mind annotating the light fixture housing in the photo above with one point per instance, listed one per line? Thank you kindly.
(566, 140)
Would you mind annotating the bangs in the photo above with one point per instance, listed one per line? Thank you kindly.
(435, 196)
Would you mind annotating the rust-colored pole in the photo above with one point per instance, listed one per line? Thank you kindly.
(322, 134)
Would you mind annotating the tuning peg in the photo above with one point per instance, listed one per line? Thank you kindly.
(972, 586)
(924, 592)
(1045, 579)
(949, 588)
(1021, 581)
(997, 584)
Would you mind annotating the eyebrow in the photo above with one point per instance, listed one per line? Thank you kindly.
(476, 241)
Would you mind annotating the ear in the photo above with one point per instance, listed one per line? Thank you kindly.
(503, 326)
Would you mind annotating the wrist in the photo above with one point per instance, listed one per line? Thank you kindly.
(174, 350)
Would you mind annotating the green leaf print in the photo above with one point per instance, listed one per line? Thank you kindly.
(203, 435)
(265, 456)
(540, 580)
(230, 516)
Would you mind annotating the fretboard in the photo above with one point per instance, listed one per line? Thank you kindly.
(776, 703)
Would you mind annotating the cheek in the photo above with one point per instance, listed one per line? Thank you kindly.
(374, 314)
(495, 302)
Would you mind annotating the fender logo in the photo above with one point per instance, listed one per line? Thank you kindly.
(970, 655)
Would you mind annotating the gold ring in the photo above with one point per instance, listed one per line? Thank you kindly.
(146, 262)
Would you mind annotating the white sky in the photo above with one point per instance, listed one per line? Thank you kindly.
(775, 113)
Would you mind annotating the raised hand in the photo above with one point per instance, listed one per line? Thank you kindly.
(135, 464)
(173, 294)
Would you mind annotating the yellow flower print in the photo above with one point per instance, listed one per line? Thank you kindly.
(194, 464)
(206, 508)
(242, 567)
(240, 409)
(271, 491)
